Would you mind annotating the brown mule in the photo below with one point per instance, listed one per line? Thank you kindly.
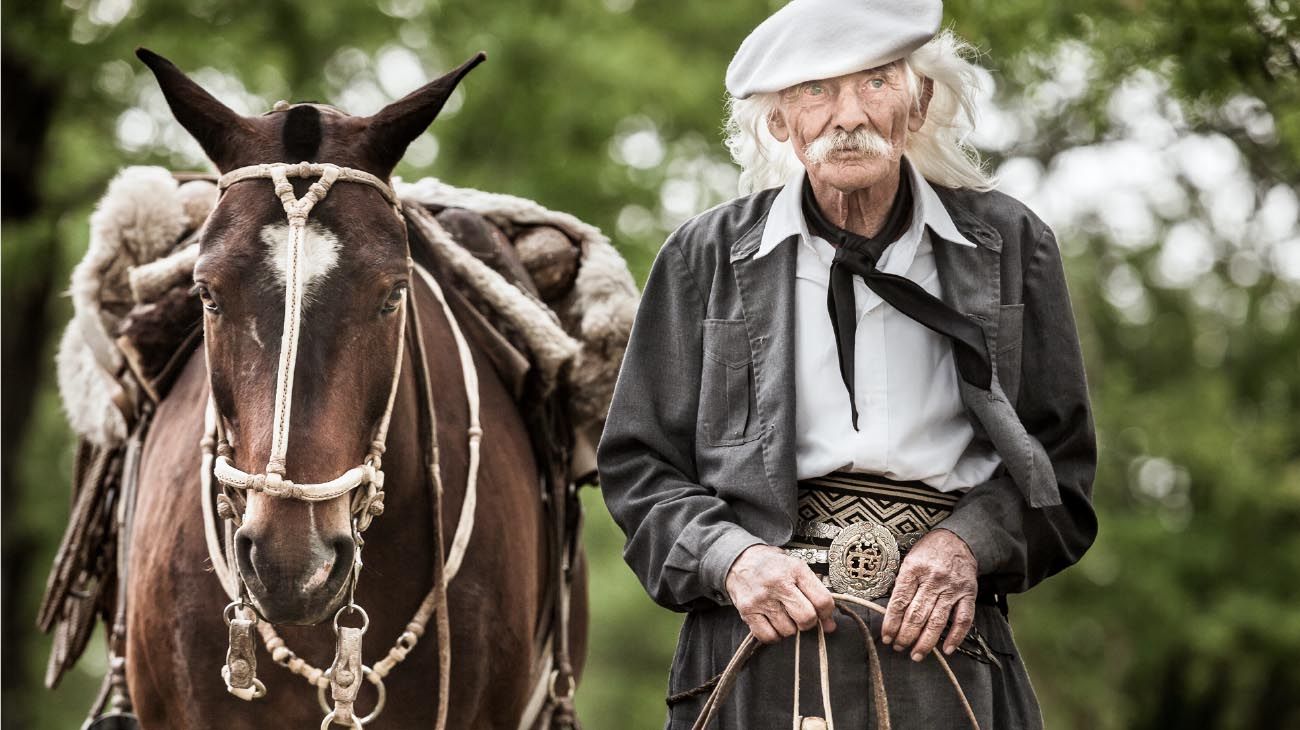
(295, 558)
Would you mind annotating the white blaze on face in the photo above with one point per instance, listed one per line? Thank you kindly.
(321, 253)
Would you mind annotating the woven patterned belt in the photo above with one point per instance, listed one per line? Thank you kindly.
(854, 528)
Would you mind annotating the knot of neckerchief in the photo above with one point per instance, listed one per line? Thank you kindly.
(857, 255)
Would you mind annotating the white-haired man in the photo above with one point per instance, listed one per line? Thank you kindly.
(863, 378)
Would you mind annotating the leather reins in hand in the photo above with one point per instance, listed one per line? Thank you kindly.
(727, 680)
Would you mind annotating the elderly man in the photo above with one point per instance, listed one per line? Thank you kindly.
(863, 378)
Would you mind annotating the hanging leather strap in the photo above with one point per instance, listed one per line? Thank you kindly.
(824, 672)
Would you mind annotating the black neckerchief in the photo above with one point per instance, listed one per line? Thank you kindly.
(896, 222)
(857, 254)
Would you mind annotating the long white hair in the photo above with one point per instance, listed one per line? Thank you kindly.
(939, 150)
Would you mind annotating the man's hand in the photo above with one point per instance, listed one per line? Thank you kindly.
(936, 579)
(776, 593)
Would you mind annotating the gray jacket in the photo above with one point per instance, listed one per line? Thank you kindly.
(697, 459)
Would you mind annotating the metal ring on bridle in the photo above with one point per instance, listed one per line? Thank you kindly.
(550, 686)
(256, 692)
(329, 720)
(371, 676)
(228, 615)
(365, 617)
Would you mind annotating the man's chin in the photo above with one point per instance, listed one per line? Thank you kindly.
(849, 174)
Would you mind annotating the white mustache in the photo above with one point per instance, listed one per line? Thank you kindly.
(859, 140)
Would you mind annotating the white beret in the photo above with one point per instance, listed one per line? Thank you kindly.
(820, 39)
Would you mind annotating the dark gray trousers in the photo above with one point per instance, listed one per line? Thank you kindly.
(919, 694)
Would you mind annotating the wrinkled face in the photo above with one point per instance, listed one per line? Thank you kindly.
(295, 556)
(851, 131)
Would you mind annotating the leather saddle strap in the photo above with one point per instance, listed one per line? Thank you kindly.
(747, 648)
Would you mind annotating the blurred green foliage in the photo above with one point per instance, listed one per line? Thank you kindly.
(1185, 612)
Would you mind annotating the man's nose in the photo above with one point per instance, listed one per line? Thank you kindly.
(850, 111)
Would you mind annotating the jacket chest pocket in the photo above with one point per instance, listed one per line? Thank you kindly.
(1010, 336)
(727, 401)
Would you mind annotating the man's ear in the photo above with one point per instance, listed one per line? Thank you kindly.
(916, 117)
(777, 127)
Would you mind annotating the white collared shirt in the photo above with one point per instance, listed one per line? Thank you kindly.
(913, 424)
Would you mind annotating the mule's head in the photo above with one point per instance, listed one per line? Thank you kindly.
(295, 557)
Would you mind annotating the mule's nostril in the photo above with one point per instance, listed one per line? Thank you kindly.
(344, 555)
(243, 547)
(343, 547)
(246, 556)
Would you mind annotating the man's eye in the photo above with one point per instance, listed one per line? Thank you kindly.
(814, 89)
(877, 83)
(205, 296)
(394, 299)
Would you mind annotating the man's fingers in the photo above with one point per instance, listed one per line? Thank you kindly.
(933, 627)
(761, 628)
(780, 621)
(800, 610)
(915, 618)
(819, 596)
(962, 618)
(904, 588)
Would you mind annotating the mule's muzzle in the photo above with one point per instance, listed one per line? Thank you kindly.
(302, 582)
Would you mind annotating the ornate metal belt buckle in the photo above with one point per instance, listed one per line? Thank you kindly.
(863, 560)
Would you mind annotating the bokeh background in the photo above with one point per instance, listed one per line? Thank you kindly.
(1159, 138)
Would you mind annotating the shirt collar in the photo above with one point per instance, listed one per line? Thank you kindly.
(785, 217)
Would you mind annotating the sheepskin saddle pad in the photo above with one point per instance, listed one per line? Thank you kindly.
(547, 295)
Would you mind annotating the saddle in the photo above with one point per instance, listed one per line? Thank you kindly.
(543, 294)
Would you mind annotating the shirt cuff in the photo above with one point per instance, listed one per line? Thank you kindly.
(718, 559)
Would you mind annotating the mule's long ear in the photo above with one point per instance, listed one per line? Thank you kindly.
(216, 126)
(399, 123)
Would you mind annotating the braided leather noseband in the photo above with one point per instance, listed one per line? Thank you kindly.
(343, 678)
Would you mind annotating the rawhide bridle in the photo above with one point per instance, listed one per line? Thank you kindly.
(365, 481)
(369, 474)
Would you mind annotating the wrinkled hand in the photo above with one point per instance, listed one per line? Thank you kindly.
(776, 593)
(937, 579)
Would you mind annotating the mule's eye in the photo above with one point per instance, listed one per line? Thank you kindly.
(394, 299)
(205, 296)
